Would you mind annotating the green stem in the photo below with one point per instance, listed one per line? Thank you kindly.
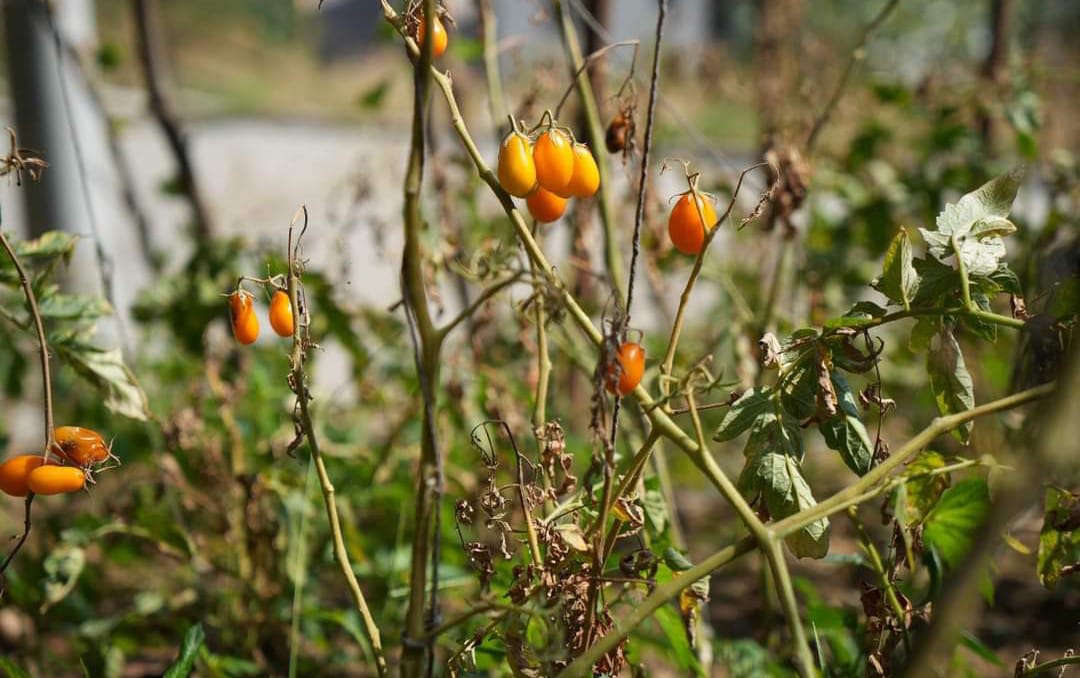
(298, 379)
(1051, 665)
(883, 577)
(961, 267)
(582, 666)
(428, 349)
(867, 486)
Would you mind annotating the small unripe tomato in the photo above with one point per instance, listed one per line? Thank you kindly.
(517, 171)
(15, 474)
(281, 317)
(438, 47)
(586, 178)
(50, 479)
(685, 227)
(631, 359)
(245, 324)
(81, 446)
(545, 206)
(554, 158)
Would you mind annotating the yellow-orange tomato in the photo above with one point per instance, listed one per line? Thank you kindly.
(631, 359)
(281, 317)
(245, 324)
(586, 177)
(517, 171)
(685, 227)
(15, 474)
(439, 31)
(545, 206)
(554, 159)
(81, 446)
(52, 479)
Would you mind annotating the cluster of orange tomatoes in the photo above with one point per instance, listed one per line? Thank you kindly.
(78, 451)
(547, 168)
(245, 323)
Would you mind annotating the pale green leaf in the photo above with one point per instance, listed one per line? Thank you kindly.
(106, 371)
(62, 567)
(899, 281)
(949, 378)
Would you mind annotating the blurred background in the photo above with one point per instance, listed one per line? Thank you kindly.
(182, 137)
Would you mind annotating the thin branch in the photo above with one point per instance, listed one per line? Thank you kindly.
(596, 138)
(857, 55)
(484, 297)
(643, 181)
(298, 382)
(588, 60)
(1051, 665)
(150, 59)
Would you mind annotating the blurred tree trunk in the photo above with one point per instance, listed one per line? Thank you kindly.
(993, 66)
(776, 67)
(40, 118)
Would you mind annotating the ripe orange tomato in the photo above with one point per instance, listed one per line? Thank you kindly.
(685, 227)
(545, 206)
(554, 158)
(517, 171)
(52, 479)
(439, 31)
(631, 359)
(281, 317)
(586, 178)
(245, 324)
(15, 474)
(81, 446)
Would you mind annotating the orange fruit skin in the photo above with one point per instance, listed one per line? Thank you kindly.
(52, 479)
(245, 324)
(631, 359)
(554, 159)
(517, 171)
(545, 206)
(586, 178)
(281, 315)
(442, 40)
(15, 474)
(81, 446)
(685, 227)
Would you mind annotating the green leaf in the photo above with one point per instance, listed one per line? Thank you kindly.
(62, 567)
(981, 328)
(73, 307)
(745, 658)
(786, 492)
(975, 645)
(676, 560)
(899, 281)
(949, 378)
(845, 432)
(106, 372)
(951, 524)
(924, 329)
(185, 663)
(374, 97)
(1059, 540)
(920, 491)
(654, 505)
(978, 223)
(744, 412)
(938, 283)
(11, 669)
